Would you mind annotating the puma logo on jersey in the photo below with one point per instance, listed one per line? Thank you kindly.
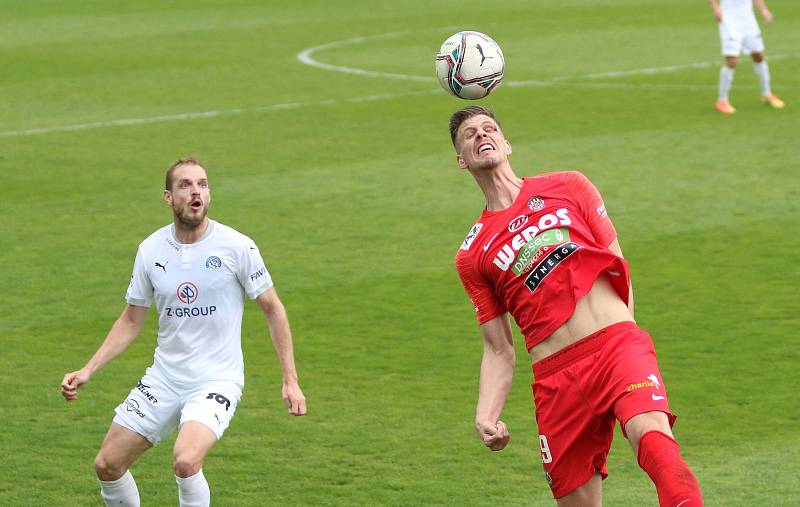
(162, 266)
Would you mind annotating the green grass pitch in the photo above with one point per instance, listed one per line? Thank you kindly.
(347, 181)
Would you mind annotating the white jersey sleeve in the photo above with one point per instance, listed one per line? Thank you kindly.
(252, 272)
(140, 290)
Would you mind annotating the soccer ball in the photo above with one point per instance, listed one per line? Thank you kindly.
(470, 65)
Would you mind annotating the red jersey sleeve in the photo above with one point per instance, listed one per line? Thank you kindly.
(480, 291)
(591, 206)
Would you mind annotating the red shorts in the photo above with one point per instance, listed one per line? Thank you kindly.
(582, 389)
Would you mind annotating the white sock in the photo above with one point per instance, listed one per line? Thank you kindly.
(193, 491)
(120, 493)
(725, 82)
(762, 71)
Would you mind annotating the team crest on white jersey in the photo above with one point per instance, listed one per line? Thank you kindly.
(187, 293)
(471, 236)
(213, 262)
(517, 223)
(536, 203)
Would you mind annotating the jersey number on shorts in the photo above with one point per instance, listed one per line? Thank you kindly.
(220, 399)
(546, 456)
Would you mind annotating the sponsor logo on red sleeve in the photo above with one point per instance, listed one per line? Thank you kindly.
(471, 235)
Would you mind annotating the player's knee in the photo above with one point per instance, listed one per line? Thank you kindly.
(640, 424)
(107, 469)
(185, 464)
(758, 57)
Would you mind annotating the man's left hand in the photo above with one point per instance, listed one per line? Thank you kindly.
(294, 398)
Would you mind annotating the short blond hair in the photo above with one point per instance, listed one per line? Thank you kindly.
(181, 161)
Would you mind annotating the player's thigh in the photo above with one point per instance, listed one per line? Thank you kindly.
(753, 43)
(574, 438)
(633, 382)
(151, 409)
(119, 450)
(213, 405)
(730, 40)
(588, 495)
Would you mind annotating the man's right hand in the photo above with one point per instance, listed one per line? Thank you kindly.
(72, 381)
(495, 436)
(717, 14)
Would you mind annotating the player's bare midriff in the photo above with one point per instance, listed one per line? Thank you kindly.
(600, 308)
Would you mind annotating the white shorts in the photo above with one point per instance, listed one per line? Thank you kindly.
(736, 41)
(155, 407)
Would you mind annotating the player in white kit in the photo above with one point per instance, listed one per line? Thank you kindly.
(196, 271)
(739, 34)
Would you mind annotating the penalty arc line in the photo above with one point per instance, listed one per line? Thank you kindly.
(305, 57)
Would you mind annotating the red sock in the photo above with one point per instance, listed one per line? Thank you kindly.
(675, 483)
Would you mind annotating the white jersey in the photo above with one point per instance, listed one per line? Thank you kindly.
(198, 291)
(738, 15)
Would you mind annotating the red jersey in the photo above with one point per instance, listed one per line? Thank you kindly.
(536, 258)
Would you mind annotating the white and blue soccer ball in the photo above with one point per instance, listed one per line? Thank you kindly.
(470, 65)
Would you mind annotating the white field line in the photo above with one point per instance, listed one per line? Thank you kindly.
(632, 72)
(206, 114)
(124, 121)
(306, 58)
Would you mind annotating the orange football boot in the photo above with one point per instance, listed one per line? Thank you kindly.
(725, 107)
(773, 101)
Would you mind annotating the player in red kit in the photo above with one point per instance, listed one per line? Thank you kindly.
(545, 251)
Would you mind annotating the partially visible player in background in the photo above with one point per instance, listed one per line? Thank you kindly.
(545, 251)
(739, 33)
(197, 272)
